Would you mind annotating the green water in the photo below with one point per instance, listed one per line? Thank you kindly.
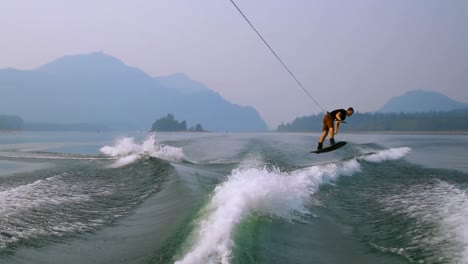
(232, 198)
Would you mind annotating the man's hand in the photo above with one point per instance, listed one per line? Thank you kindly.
(337, 126)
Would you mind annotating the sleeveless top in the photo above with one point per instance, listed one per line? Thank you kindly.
(334, 112)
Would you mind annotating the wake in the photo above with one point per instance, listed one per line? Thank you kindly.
(51, 156)
(266, 192)
(439, 204)
(127, 151)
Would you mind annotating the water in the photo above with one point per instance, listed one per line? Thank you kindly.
(232, 198)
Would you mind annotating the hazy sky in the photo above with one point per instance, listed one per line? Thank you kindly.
(356, 53)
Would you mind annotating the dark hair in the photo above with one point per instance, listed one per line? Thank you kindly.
(350, 108)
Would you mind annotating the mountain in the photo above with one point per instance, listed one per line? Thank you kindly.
(100, 89)
(421, 101)
(182, 83)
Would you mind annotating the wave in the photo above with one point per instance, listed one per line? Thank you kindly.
(388, 154)
(265, 192)
(36, 196)
(47, 191)
(435, 203)
(127, 151)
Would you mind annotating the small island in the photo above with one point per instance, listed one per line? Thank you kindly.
(170, 124)
(11, 123)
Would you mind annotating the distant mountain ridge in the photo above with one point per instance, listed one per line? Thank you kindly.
(421, 101)
(93, 63)
(182, 83)
(98, 88)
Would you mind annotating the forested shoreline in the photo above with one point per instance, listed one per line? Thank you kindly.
(456, 120)
(8, 122)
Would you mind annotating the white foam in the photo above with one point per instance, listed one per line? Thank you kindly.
(128, 151)
(261, 191)
(388, 154)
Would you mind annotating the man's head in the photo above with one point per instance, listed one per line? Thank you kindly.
(350, 111)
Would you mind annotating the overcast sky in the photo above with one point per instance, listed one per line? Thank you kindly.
(356, 53)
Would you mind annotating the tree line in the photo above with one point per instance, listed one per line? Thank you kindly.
(456, 120)
(170, 124)
(11, 122)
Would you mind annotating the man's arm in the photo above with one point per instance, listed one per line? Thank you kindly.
(338, 122)
(337, 126)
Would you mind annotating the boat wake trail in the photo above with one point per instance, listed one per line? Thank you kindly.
(267, 192)
(24, 209)
(128, 151)
(388, 154)
(441, 205)
(51, 156)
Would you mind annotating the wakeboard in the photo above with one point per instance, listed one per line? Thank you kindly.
(330, 148)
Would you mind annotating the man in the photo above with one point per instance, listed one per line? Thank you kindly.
(338, 115)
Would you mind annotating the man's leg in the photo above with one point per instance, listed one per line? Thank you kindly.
(324, 135)
(327, 128)
(332, 135)
(322, 138)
